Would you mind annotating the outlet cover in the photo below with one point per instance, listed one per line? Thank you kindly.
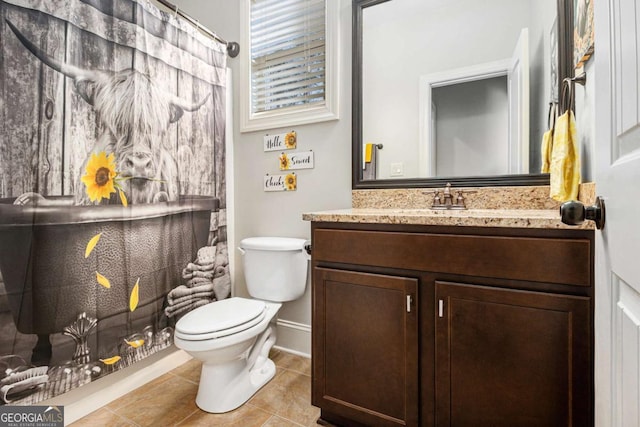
(397, 169)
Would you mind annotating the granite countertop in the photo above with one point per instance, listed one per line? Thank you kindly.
(514, 218)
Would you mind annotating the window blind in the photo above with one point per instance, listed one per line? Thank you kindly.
(287, 53)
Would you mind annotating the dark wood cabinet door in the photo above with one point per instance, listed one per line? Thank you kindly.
(512, 358)
(365, 347)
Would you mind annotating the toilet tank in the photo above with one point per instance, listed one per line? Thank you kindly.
(275, 268)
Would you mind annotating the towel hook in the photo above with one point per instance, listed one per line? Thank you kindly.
(581, 79)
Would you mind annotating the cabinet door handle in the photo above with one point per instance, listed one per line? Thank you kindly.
(440, 308)
(409, 300)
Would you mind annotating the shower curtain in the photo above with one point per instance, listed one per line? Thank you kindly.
(112, 187)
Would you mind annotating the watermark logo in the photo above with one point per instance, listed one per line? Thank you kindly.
(31, 416)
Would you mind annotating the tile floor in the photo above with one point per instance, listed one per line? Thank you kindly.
(170, 401)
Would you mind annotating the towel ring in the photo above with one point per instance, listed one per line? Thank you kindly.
(567, 100)
(552, 115)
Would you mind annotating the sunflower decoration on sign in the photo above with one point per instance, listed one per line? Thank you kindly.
(101, 178)
(290, 140)
(285, 163)
(290, 182)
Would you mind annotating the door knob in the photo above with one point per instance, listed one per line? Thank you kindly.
(575, 213)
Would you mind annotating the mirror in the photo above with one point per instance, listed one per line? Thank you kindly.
(440, 90)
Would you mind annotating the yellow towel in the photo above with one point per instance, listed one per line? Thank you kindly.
(368, 152)
(565, 159)
(547, 138)
(547, 144)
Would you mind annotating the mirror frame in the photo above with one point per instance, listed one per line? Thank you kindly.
(565, 49)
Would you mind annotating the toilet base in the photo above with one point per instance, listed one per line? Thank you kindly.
(224, 387)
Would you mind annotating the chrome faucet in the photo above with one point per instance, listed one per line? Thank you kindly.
(444, 199)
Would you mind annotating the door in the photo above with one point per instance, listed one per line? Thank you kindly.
(365, 347)
(617, 175)
(508, 357)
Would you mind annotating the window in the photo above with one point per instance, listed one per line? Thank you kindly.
(289, 66)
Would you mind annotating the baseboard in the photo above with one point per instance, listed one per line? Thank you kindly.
(294, 337)
(90, 397)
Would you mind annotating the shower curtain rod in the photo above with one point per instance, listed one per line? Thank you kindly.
(233, 48)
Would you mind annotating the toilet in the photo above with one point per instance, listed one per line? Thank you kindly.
(232, 337)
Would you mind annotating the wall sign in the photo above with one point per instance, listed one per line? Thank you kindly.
(297, 160)
(583, 39)
(283, 141)
(287, 182)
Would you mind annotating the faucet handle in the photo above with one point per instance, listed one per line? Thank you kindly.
(437, 199)
(460, 204)
(459, 200)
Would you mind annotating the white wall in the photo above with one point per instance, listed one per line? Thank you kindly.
(542, 17)
(586, 122)
(327, 186)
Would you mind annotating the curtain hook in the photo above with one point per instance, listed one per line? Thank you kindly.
(198, 24)
(175, 15)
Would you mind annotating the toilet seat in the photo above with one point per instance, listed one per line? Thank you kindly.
(220, 319)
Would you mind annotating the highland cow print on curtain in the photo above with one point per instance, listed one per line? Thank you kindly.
(112, 187)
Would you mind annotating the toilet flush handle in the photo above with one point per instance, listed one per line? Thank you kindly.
(308, 248)
(242, 251)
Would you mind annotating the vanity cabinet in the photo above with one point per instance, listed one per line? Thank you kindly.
(385, 361)
(452, 326)
(510, 358)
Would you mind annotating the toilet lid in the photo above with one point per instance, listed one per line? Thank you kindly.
(273, 243)
(220, 316)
